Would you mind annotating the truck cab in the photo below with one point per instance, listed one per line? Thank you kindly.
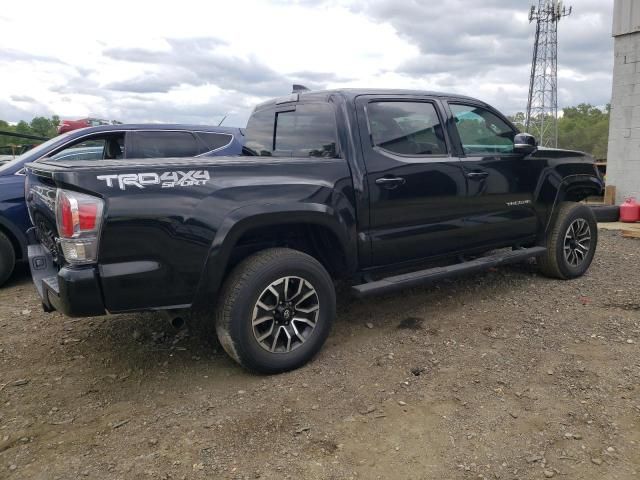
(434, 174)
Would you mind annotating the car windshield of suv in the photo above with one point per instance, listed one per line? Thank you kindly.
(34, 152)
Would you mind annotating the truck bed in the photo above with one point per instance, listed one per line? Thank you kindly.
(161, 236)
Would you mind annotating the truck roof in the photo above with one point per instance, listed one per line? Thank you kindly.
(352, 93)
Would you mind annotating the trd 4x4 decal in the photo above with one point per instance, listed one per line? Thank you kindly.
(172, 179)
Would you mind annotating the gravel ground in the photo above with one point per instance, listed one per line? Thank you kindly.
(501, 375)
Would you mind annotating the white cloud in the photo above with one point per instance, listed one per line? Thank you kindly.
(195, 61)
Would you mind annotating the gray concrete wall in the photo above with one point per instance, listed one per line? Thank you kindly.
(623, 158)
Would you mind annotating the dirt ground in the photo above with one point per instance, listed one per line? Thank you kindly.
(504, 375)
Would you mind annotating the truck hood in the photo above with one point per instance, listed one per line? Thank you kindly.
(561, 153)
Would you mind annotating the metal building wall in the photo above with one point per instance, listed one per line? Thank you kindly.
(626, 17)
(623, 158)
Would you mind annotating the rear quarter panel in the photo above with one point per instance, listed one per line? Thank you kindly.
(156, 241)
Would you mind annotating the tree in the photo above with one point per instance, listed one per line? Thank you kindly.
(46, 127)
(585, 128)
(23, 127)
(518, 120)
(41, 126)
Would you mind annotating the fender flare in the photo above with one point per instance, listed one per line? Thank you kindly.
(243, 219)
(563, 184)
(17, 234)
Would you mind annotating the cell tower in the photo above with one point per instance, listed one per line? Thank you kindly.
(542, 107)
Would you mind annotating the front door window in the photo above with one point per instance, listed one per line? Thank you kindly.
(98, 147)
(481, 131)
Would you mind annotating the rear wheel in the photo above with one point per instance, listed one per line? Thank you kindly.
(571, 242)
(7, 258)
(276, 310)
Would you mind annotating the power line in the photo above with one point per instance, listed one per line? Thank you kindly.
(23, 135)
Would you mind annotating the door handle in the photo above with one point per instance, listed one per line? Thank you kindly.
(477, 175)
(390, 182)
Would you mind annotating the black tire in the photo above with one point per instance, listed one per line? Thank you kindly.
(7, 258)
(238, 303)
(606, 213)
(555, 263)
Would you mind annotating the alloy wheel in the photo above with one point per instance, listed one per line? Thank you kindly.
(577, 242)
(285, 315)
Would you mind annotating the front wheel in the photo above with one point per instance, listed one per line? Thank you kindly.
(275, 310)
(571, 242)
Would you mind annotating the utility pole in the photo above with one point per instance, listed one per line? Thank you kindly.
(542, 107)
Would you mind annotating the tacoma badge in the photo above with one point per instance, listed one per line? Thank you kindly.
(173, 179)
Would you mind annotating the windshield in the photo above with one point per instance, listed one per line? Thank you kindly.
(34, 153)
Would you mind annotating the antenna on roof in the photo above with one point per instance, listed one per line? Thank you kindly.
(299, 88)
(223, 119)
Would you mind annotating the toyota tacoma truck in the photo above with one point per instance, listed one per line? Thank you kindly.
(383, 189)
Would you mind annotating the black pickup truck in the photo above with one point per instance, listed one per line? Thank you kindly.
(384, 189)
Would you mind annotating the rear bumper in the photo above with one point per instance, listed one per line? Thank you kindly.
(72, 291)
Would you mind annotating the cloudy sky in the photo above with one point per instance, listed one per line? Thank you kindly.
(196, 61)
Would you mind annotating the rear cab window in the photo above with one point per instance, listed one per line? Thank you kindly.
(304, 130)
(259, 133)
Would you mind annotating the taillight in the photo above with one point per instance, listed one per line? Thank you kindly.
(64, 215)
(78, 217)
(88, 217)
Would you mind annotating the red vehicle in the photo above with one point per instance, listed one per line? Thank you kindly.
(68, 125)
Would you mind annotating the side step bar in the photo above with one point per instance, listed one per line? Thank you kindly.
(422, 277)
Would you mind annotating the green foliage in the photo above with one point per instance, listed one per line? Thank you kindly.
(23, 127)
(44, 126)
(519, 120)
(584, 128)
(40, 126)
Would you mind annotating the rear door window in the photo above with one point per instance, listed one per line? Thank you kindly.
(406, 128)
(308, 131)
(161, 144)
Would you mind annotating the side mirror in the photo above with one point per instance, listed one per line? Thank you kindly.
(524, 143)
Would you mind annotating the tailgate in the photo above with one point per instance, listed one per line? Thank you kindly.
(150, 245)
(72, 289)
